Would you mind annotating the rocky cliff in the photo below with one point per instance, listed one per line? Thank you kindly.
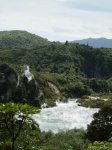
(17, 87)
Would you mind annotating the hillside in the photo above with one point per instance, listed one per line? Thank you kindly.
(20, 39)
(71, 59)
(96, 42)
(75, 69)
(39, 73)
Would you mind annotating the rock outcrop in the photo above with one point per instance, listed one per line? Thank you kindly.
(18, 88)
(54, 88)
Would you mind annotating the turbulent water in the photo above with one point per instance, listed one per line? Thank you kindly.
(64, 116)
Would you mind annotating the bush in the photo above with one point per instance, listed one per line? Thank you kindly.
(74, 139)
(101, 145)
(101, 127)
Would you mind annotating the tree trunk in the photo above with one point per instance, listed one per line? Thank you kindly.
(13, 142)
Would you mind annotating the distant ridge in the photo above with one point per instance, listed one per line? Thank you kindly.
(20, 39)
(96, 42)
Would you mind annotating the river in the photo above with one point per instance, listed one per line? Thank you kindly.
(64, 116)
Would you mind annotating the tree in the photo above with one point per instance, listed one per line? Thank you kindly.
(66, 43)
(14, 120)
(107, 145)
(101, 127)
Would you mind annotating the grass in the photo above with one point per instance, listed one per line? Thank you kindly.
(104, 99)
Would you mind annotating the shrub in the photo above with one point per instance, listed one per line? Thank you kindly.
(101, 127)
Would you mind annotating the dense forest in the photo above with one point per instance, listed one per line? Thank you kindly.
(20, 39)
(72, 69)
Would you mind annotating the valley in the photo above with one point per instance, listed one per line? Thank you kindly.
(38, 72)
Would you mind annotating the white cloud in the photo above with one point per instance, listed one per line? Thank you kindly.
(58, 19)
(87, 5)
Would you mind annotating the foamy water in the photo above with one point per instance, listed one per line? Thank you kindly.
(64, 116)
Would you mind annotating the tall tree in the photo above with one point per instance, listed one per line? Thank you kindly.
(14, 119)
(101, 127)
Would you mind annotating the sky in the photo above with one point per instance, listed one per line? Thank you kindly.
(58, 20)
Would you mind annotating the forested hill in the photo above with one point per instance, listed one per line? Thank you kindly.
(76, 69)
(37, 72)
(21, 47)
(96, 42)
(70, 59)
(21, 39)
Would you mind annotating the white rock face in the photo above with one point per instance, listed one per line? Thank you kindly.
(54, 88)
(28, 74)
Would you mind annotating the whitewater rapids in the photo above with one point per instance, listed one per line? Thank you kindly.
(64, 116)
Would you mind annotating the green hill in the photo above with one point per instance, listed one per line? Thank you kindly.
(76, 69)
(21, 39)
(71, 59)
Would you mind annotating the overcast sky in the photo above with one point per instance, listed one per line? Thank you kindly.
(58, 20)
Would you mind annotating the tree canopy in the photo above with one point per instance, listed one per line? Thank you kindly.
(15, 119)
(101, 127)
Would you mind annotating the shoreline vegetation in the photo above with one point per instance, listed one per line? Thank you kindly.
(59, 71)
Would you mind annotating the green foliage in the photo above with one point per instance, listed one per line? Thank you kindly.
(99, 103)
(56, 57)
(20, 39)
(15, 122)
(101, 127)
(98, 85)
(23, 133)
(74, 139)
(79, 90)
(76, 69)
(106, 145)
(15, 86)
